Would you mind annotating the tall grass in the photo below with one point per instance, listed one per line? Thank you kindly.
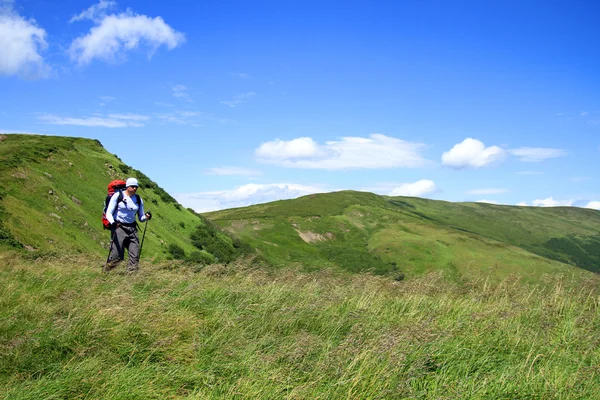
(70, 331)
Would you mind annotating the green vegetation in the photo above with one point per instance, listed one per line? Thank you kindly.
(53, 189)
(407, 236)
(224, 247)
(236, 331)
(498, 301)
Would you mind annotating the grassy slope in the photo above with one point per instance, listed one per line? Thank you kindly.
(363, 231)
(53, 189)
(69, 331)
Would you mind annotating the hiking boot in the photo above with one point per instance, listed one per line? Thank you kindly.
(109, 266)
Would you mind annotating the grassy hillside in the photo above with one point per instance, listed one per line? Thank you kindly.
(228, 332)
(361, 231)
(52, 194)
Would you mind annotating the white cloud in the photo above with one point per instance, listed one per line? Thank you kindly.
(523, 204)
(244, 196)
(376, 151)
(238, 99)
(583, 113)
(106, 99)
(471, 153)
(593, 204)
(580, 178)
(20, 132)
(530, 173)
(180, 92)
(129, 117)
(303, 147)
(184, 117)
(488, 191)
(96, 12)
(116, 34)
(236, 171)
(242, 75)
(21, 42)
(536, 154)
(487, 201)
(416, 189)
(550, 202)
(110, 121)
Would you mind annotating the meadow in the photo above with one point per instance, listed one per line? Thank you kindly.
(246, 330)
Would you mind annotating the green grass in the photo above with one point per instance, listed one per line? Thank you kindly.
(53, 191)
(242, 331)
(412, 236)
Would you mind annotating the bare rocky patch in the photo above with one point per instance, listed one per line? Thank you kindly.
(310, 237)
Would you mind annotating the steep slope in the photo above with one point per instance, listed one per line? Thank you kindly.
(52, 194)
(393, 235)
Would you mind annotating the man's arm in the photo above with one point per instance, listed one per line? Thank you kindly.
(112, 206)
(141, 214)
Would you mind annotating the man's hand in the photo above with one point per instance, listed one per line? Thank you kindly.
(148, 215)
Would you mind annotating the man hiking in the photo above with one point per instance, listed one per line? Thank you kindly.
(120, 213)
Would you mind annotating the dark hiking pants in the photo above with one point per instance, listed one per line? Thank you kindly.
(124, 237)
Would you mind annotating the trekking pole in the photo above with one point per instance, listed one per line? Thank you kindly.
(143, 236)
(112, 240)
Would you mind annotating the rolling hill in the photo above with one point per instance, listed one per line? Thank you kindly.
(52, 191)
(362, 231)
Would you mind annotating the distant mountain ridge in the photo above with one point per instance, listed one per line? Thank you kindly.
(52, 190)
(362, 231)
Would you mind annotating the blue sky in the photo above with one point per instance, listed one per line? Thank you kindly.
(231, 103)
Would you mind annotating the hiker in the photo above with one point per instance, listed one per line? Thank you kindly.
(120, 213)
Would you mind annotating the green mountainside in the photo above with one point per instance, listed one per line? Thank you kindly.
(52, 192)
(362, 231)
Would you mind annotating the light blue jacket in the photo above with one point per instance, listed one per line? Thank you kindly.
(125, 209)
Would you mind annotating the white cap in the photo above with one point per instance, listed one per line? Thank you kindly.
(131, 182)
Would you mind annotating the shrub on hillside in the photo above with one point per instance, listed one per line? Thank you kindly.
(224, 247)
(176, 251)
(200, 257)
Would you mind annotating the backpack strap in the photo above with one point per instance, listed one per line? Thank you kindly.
(136, 198)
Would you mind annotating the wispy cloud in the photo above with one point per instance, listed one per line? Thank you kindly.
(550, 202)
(20, 131)
(234, 171)
(487, 191)
(583, 113)
(110, 121)
(536, 154)
(106, 99)
(115, 35)
(21, 44)
(96, 12)
(530, 173)
(245, 195)
(593, 204)
(416, 189)
(472, 153)
(488, 201)
(376, 151)
(238, 99)
(180, 92)
(242, 75)
(580, 179)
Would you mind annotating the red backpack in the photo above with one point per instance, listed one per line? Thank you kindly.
(114, 186)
